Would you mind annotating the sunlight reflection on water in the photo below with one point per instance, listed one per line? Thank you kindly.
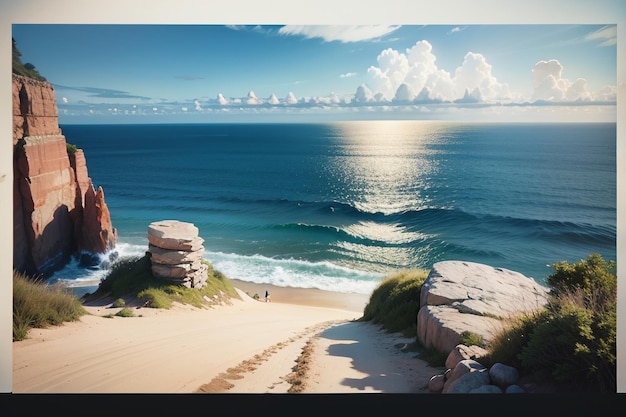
(387, 164)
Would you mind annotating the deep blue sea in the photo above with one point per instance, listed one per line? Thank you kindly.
(339, 206)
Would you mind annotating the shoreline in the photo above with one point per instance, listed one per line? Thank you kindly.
(305, 296)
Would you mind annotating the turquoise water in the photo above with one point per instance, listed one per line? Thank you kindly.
(338, 206)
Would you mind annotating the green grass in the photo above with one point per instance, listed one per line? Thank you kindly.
(118, 303)
(39, 305)
(394, 303)
(71, 148)
(36, 304)
(132, 277)
(125, 312)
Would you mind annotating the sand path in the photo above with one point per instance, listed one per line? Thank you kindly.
(246, 347)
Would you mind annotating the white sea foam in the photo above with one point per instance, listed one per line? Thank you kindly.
(294, 273)
(86, 279)
(255, 268)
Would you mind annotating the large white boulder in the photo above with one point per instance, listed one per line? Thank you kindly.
(463, 296)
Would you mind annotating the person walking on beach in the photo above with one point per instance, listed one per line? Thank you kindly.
(267, 296)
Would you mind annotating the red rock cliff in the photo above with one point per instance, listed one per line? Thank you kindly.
(56, 211)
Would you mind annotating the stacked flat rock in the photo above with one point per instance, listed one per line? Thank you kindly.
(177, 252)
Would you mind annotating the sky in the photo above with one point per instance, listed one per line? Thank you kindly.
(137, 73)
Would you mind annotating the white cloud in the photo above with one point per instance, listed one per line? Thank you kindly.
(221, 99)
(607, 35)
(347, 75)
(607, 93)
(457, 29)
(548, 84)
(404, 93)
(363, 94)
(252, 98)
(342, 33)
(291, 99)
(273, 100)
(475, 73)
(400, 75)
(197, 105)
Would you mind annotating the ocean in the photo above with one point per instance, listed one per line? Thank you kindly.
(339, 206)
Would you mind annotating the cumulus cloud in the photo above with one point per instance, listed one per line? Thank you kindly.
(363, 94)
(347, 75)
(273, 100)
(549, 85)
(291, 99)
(475, 73)
(413, 74)
(252, 98)
(341, 33)
(404, 93)
(221, 99)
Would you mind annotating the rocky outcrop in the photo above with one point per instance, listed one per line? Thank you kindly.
(56, 211)
(465, 296)
(176, 253)
(466, 375)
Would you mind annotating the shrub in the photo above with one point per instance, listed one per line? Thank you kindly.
(118, 303)
(576, 344)
(472, 339)
(125, 312)
(128, 275)
(71, 149)
(36, 304)
(594, 276)
(572, 341)
(132, 276)
(394, 303)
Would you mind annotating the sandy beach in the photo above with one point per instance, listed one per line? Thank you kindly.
(303, 341)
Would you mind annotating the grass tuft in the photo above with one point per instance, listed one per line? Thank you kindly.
(394, 303)
(36, 304)
(132, 277)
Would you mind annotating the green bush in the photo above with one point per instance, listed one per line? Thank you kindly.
(472, 339)
(36, 304)
(125, 312)
(26, 69)
(71, 149)
(572, 341)
(394, 303)
(118, 303)
(132, 277)
(594, 276)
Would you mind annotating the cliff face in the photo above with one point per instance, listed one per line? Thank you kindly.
(56, 211)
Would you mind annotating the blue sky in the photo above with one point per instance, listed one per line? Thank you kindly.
(194, 73)
(220, 70)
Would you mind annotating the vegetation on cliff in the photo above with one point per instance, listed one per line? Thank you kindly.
(132, 278)
(27, 69)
